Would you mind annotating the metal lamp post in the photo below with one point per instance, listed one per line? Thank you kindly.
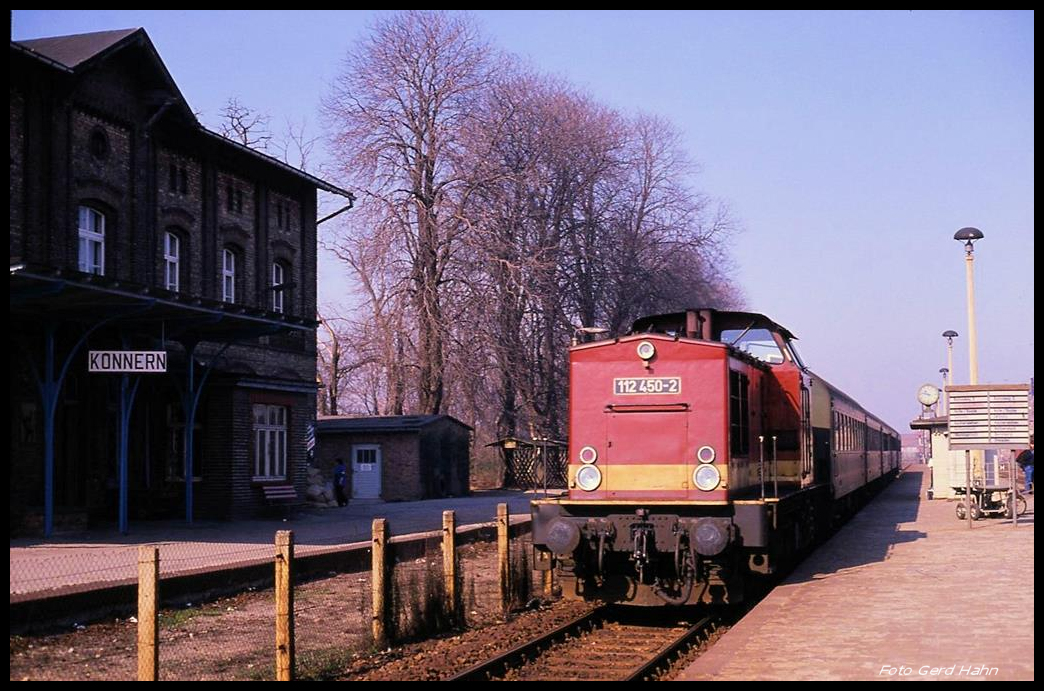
(968, 236)
(943, 371)
(949, 335)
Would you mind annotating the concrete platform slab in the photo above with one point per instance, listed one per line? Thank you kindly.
(99, 558)
(903, 591)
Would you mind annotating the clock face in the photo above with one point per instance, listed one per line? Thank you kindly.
(928, 394)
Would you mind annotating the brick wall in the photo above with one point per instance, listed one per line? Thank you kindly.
(446, 450)
(401, 477)
(179, 208)
(284, 242)
(237, 231)
(272, 216)
(104, 182)
(17, 201)
(107, 138)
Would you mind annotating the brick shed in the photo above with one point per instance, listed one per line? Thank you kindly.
(398, 457)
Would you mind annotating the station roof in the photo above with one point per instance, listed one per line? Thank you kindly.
(930, 422)
(515, 442)
(40, 293)
(381, 423)
(74, 50)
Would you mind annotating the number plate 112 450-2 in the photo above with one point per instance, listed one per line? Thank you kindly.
(633, 386)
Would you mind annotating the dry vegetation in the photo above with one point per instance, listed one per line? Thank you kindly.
(233, 638)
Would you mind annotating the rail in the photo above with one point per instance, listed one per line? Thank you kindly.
(632, 652)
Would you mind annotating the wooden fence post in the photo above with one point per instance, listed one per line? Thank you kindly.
(504, 556)
(449, 559)
(148, 613)
(379, 580)
(284, 605)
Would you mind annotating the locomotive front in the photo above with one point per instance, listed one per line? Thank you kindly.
(648, 517)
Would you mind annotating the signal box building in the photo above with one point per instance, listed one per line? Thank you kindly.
(186, 257)
(398, 457)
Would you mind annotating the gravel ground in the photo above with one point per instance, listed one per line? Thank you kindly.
(234, 639)
(437, 659)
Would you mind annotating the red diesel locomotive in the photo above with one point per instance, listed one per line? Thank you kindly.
(701, 451)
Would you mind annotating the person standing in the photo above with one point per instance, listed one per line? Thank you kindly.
(1025, 461)
(340, 481)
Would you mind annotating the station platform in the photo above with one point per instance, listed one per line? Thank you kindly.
(101, 557)
(903, 591)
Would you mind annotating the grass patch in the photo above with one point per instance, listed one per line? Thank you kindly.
(520, 590)
(324, 665)
(176, 617)
(419, 603)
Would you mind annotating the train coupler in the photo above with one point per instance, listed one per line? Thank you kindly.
(643, 539)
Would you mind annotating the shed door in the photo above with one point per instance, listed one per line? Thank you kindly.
(366, 471)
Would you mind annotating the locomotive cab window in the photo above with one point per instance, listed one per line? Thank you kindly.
(795, 355)
(758, 343)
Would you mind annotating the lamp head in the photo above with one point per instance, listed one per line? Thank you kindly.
(968, 236)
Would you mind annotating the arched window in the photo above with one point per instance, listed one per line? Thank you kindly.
(172, 261)
(92, 241)
(278, 283)
(98, 144)
(228, 275)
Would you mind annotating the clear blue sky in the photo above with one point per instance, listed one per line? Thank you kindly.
(850, 145)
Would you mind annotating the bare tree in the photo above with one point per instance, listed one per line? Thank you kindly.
(397, 110)
(295, 146)
(245, 125)
(331, 370)
(585, 218)
(378, 338)
(499, 210)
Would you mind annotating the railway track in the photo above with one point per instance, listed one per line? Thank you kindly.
(606, 644)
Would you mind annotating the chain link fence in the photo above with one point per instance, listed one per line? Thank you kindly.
(219, 609)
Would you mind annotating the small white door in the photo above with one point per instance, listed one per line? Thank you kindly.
(366, 471)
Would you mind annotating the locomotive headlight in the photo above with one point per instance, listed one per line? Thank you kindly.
(706, 477)
(705, 454)
(646, 350)
(588, 454)
(589, 477)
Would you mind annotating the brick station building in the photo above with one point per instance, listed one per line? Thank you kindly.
(134, 228)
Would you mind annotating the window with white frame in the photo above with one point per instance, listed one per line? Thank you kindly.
(92, 241)
(366, 457)
(228, 275)
(172, 261)
(277, 290)
(269, 441)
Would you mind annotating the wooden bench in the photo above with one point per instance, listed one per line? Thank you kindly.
(281, 496)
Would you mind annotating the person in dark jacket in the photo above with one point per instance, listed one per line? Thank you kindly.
(1025, 461)
(340, 481)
